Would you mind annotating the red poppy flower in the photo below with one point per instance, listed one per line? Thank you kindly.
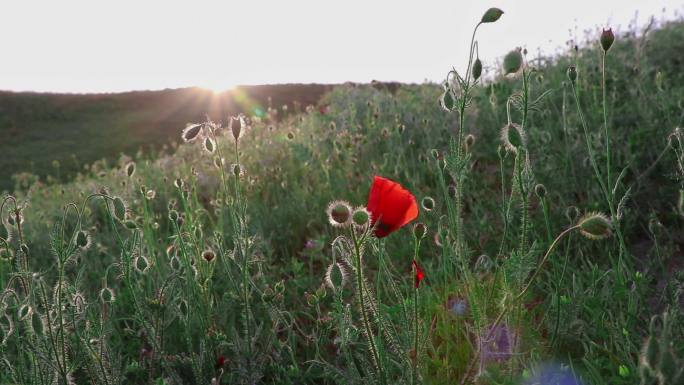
(220, 361)
(419, 274)
(390, 205)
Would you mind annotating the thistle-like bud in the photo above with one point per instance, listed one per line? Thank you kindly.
(477, 69)
(595, 226)
(572, 74)
(339, 213)
(512, 61)
(419, 230)
(428, 204)
(491, 15)
(607, 39)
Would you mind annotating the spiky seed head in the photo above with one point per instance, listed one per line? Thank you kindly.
(107, 295)
(491, 15)
(512, 61)
(339, 213)
(607, 39)
(419, 230)
(595, 226)
(477, 69)
(513, 137)
(191, 132)
(209, 145)
(361, 217)
(336, 276)
(130, 169)
(119, 208)
(572, 74)
(208, 255)
(428, 203)
(540, 190)
(82, 239)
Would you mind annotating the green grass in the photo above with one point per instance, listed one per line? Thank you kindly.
(506, 259)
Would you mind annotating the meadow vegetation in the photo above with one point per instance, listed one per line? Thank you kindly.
(546, 248)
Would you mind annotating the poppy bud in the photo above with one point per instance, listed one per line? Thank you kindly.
(419, 275)
(595, 226)
(191, 132)
(477, 69)
(572, 74)
(540, 190)
(491, 15)
(173, 215)
(119, 208)
(339, 213)
(236, 127)
(607, 39)
(361, 217)
(512, 62)
(130, 169)
(512, 137)
(419, 230)
(428, 204)
(447, 101)
(82, 239)
(209, 145)
(469, 141)
(178, 183)
(208, 255)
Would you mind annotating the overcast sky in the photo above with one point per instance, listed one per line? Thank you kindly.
(119, 45)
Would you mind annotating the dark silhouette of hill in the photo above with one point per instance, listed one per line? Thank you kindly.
(73, 129)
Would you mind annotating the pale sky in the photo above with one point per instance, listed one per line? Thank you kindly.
(121, 45)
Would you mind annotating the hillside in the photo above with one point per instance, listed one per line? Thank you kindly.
(38, 129)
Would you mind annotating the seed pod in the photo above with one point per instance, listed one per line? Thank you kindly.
(595, 226)
(477, 69)
(512, 62)
(491, 15)
(607, 39)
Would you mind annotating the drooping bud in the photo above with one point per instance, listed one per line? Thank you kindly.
(572, 74)
(513, 137)
(477, 69)
(339, 213)
(512, 61)
(130, 169)
(595, 226)
(447, 101)
(540, 190)
(607, 39)
(491, 15)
